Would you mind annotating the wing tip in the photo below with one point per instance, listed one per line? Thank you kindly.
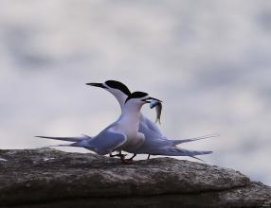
(205, 152)
(40, 136)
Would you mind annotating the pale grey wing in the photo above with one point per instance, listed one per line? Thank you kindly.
(158, 146)
(69, 139)
(154, 140)
(181, 141)
(146, 125)
(105, 142)
(152, 145)
(175, 151)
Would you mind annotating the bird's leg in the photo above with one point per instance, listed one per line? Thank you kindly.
(117, 155)
(110, 155)
(124, 161)
(127, 161)
(131, 159)
(149, 156)
(121, 155)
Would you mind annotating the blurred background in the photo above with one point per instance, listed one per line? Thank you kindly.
(209, 61)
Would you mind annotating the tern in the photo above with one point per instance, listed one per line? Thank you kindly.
(122, 134)
(155, 142)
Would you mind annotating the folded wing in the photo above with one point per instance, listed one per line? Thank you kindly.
(175, 151)
(104, 143)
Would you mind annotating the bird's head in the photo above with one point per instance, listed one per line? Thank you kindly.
(139, 98)
(118, 89)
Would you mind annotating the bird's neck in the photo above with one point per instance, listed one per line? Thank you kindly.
(121, 98)
(130, 114)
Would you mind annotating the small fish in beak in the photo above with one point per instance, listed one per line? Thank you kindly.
(158, 107)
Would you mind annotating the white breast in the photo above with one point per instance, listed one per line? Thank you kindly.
(131, 132)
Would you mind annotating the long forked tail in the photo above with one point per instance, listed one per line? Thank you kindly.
(175, 151)
(197, 158)
(181, 141)
(68, 139)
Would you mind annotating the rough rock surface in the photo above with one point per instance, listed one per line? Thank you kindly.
(51, 178)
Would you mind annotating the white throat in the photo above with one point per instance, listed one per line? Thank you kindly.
(130, 119)
(121, 97)
(131, 113)
(121, 100)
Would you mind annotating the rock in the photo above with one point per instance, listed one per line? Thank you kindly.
(51, 178)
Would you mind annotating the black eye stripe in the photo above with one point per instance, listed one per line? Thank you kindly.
(137, 94)
(118, 85)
